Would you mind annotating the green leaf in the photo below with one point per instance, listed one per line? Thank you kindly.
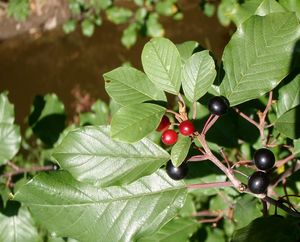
(69, 208)
(129, 35)
(127, 85)
(69, 26)
(291, 5)
(198, 75)
(246, 210)
(289, 96)
(153, 26)
(87, 27)
(209, 9)
(162, 64)
(256, 58)
(288, 124)
(179, 229)
(10, 139)
(19, 9)
(165, 8)
(296, 147)
(180, 150)
(7, 114)
(90, 155)
(269, 6)
(18, 228)
(273, 228)
(134, 122)
(118, 15)
(99, 116)
(186, 49)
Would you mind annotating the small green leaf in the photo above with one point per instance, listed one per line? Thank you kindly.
(127, 85)
(256, 59)
(296, 147)
(186, 49)
(7, 114)
(18, 228)
(19, 9)
(88, 152)
(134, 122)
(288, 124)
(198, 75)
(118, 15)
(69, 26)
(289, 96)
(129, 35)
(246, 210)
(165, 8)
(209, 9)
(154, 28)
(180, 150)
(99, 116)
(178, 229)
(88, 213)
(273, 228)
(162, 64)
(87, 27)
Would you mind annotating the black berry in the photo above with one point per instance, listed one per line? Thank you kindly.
(169, 137)
(264, 159)
(186, 128)
(258, 182)
(218, 105)
(177, 173)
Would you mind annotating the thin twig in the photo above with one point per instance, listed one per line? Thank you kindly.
(281, 206)
(209, 124)
(27, 170)
(284, 161)
(196, 158)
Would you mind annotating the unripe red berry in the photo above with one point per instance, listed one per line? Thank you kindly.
(169, 137)
(186, 128)
(164, 124)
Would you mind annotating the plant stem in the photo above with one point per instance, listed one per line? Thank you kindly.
(285, 160)
(209, 185)
(281, 206)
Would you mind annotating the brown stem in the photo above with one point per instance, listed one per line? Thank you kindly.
(250, 120)
(198, 158)
(265, 208)
(209, 185)
(209, 124)
(26, 170)
(284, 161)
(177, 115)
(281, 206)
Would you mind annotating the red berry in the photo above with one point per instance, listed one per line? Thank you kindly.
(169, 137)
(186, 128)
(164, 124)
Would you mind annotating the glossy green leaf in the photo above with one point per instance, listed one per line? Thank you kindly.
(186, 49)
(289, 96)
(162, 64)
(246, 210)
(18, 228)
(179, 229)
(132, 123)
(69, 208)
(118, 15)
(258, 56)
(90, 155)
(198, 75)
(288, 124)
(7, 114)
(273, 228)
(180, 150)
(127, 85)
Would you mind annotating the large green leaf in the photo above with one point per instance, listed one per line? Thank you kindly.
(180, 150)
(258, 56)
(18, 228)
(162, 64)
(180, 229)
(132, 123)
(269, 229)
(289, 96)
(90, 155)
(7, 114)
(198, 75)
(186, 49)
(127, 85)
(87, 213)
(246, 210)
(292, 5)
(288, 124)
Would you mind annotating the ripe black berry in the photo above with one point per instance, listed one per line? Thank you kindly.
(177, 173)
(186, 128)
(258, 182)
(264, 159)
(164, 124)
(169, 137)
(218, 105)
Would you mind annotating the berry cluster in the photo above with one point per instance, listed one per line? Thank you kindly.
(264, 160)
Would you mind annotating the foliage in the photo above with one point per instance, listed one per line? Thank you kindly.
(103, 178)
